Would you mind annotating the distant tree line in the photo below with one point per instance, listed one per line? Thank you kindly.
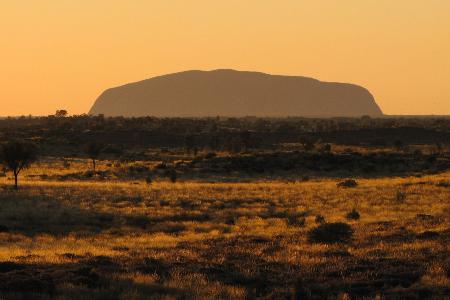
(228, 134)
(91, 136)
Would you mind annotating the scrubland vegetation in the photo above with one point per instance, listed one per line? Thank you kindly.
(304, 218)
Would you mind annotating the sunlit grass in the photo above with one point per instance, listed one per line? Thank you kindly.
(193, 227)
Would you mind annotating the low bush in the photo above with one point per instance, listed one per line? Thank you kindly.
(173, 176)
(296, 220)
(348, 183)
(210, 155)
(353, 215)
(319, 219)
(400, 196)
(443, 183)
(331, 233)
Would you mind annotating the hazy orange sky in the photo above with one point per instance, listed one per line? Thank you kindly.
(58, 54)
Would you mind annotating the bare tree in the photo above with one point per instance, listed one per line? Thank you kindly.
(18, 155)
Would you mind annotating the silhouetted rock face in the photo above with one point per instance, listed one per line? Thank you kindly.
(235, 93)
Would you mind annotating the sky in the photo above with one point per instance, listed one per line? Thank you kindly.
(61, 54)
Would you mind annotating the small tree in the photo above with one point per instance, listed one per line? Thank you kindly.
(93, 150)
(18, 155)
(61, 113)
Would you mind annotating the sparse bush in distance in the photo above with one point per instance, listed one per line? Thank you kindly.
(189, 143)
(308, 143)
(172, 175)
(319, 219)
(61, 113)
(161, 166)
(398, 144)
(18, 155)
(400, 196)
(326, 148)
(66, 163)
(353, 215)
(348, 183)
(443, 183)
(296, 220)
(331, 233)
(417, 152)
(210, 155)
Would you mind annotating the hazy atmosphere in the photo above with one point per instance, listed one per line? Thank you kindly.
(64, 54)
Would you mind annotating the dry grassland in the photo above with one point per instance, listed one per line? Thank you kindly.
(118, 239)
